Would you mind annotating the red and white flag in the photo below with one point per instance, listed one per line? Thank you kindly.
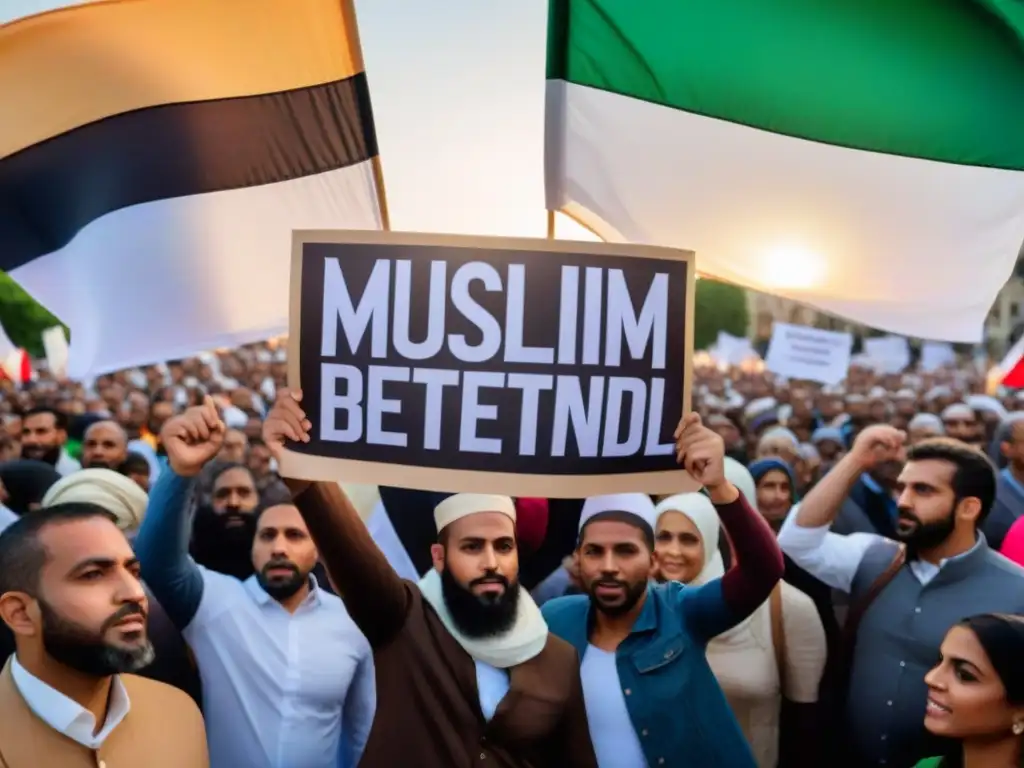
(1010, 372)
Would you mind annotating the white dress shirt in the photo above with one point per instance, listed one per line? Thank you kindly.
(834, 559)
(65, 715)
(280, 689)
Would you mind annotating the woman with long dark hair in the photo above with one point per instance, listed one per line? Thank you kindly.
(976, 694)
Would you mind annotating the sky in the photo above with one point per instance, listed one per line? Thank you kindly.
(458, 98)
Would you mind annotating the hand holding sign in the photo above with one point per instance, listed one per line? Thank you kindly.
(286, 421)
(193, 438)
(701, 452)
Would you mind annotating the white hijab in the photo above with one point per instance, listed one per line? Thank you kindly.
(525, 640)
(702, 513)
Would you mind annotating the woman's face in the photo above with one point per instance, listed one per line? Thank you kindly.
(678, 547)
(774, 495)
(966, 698)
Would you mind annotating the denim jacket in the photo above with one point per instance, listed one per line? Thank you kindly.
(674, 701)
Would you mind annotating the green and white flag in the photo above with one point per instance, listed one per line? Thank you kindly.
(862, 156)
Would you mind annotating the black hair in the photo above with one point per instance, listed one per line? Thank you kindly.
(975, 474)
(22, 555)
(134, 463)
(1001, 636)
(616, 516)
(60, 419)
(227, 466)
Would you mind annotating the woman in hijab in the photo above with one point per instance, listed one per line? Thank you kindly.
(976, 694)
(778, 652)
(26, 482)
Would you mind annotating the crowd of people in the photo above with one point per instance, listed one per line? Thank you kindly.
(846, 589)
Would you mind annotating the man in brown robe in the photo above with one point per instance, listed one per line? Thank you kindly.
(467, 673)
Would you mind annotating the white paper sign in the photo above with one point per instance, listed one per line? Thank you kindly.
(887, 354)
(935, 354)
(732, 350)
(799, 352)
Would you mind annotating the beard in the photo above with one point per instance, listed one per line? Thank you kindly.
(632, 594)
(480, 616)
(86, 651)
(281, 587)
(47, 454)
(924, 535)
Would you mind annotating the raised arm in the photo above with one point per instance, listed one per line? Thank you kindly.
(805, 536)
(376, 598)
(191, 439)
(719, 605)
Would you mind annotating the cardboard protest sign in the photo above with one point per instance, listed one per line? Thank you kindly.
(500, 365)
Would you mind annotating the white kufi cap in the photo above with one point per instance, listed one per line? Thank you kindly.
(638, 504)
(464, 504)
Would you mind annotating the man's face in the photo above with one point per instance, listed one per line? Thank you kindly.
(725, 429)
(282, 551)
(105, 446)
(779, 448)
(615, 565)
(259, 460)
(233, 450)
(479, 565)
(962, 426)
(159, 413)
(40, 438)
(1013, 448)
(926, 503)
(234, 494)
(91, 610)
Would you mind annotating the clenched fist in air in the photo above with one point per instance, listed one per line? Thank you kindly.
(193, 438)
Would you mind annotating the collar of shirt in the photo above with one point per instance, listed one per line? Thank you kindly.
(261, 598)
(925, 571)
(66, 716)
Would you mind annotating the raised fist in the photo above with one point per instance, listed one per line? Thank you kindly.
(193, 438)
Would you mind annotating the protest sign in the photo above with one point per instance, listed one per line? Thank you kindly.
(813, 354)
(523, 367)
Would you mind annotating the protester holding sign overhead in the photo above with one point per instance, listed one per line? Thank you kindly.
(466, 669)
(651, 697)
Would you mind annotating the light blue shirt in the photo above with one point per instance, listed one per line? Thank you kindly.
(615, 741)
(492, 684)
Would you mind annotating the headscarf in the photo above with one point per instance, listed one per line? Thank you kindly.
(27, 482)
(740, 476)
(702, 513)
(762, 467)
(117, 494)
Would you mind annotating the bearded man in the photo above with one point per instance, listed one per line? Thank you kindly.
(71, 594)
(904, 593)
(467, 673)
(287, 677)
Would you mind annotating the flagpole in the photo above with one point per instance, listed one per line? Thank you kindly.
(355, 52)
(551, 225)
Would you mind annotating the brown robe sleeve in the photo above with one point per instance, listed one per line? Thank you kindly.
(576, 749)
(376, 598)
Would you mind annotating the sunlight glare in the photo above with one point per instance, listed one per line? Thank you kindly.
(792, 267)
